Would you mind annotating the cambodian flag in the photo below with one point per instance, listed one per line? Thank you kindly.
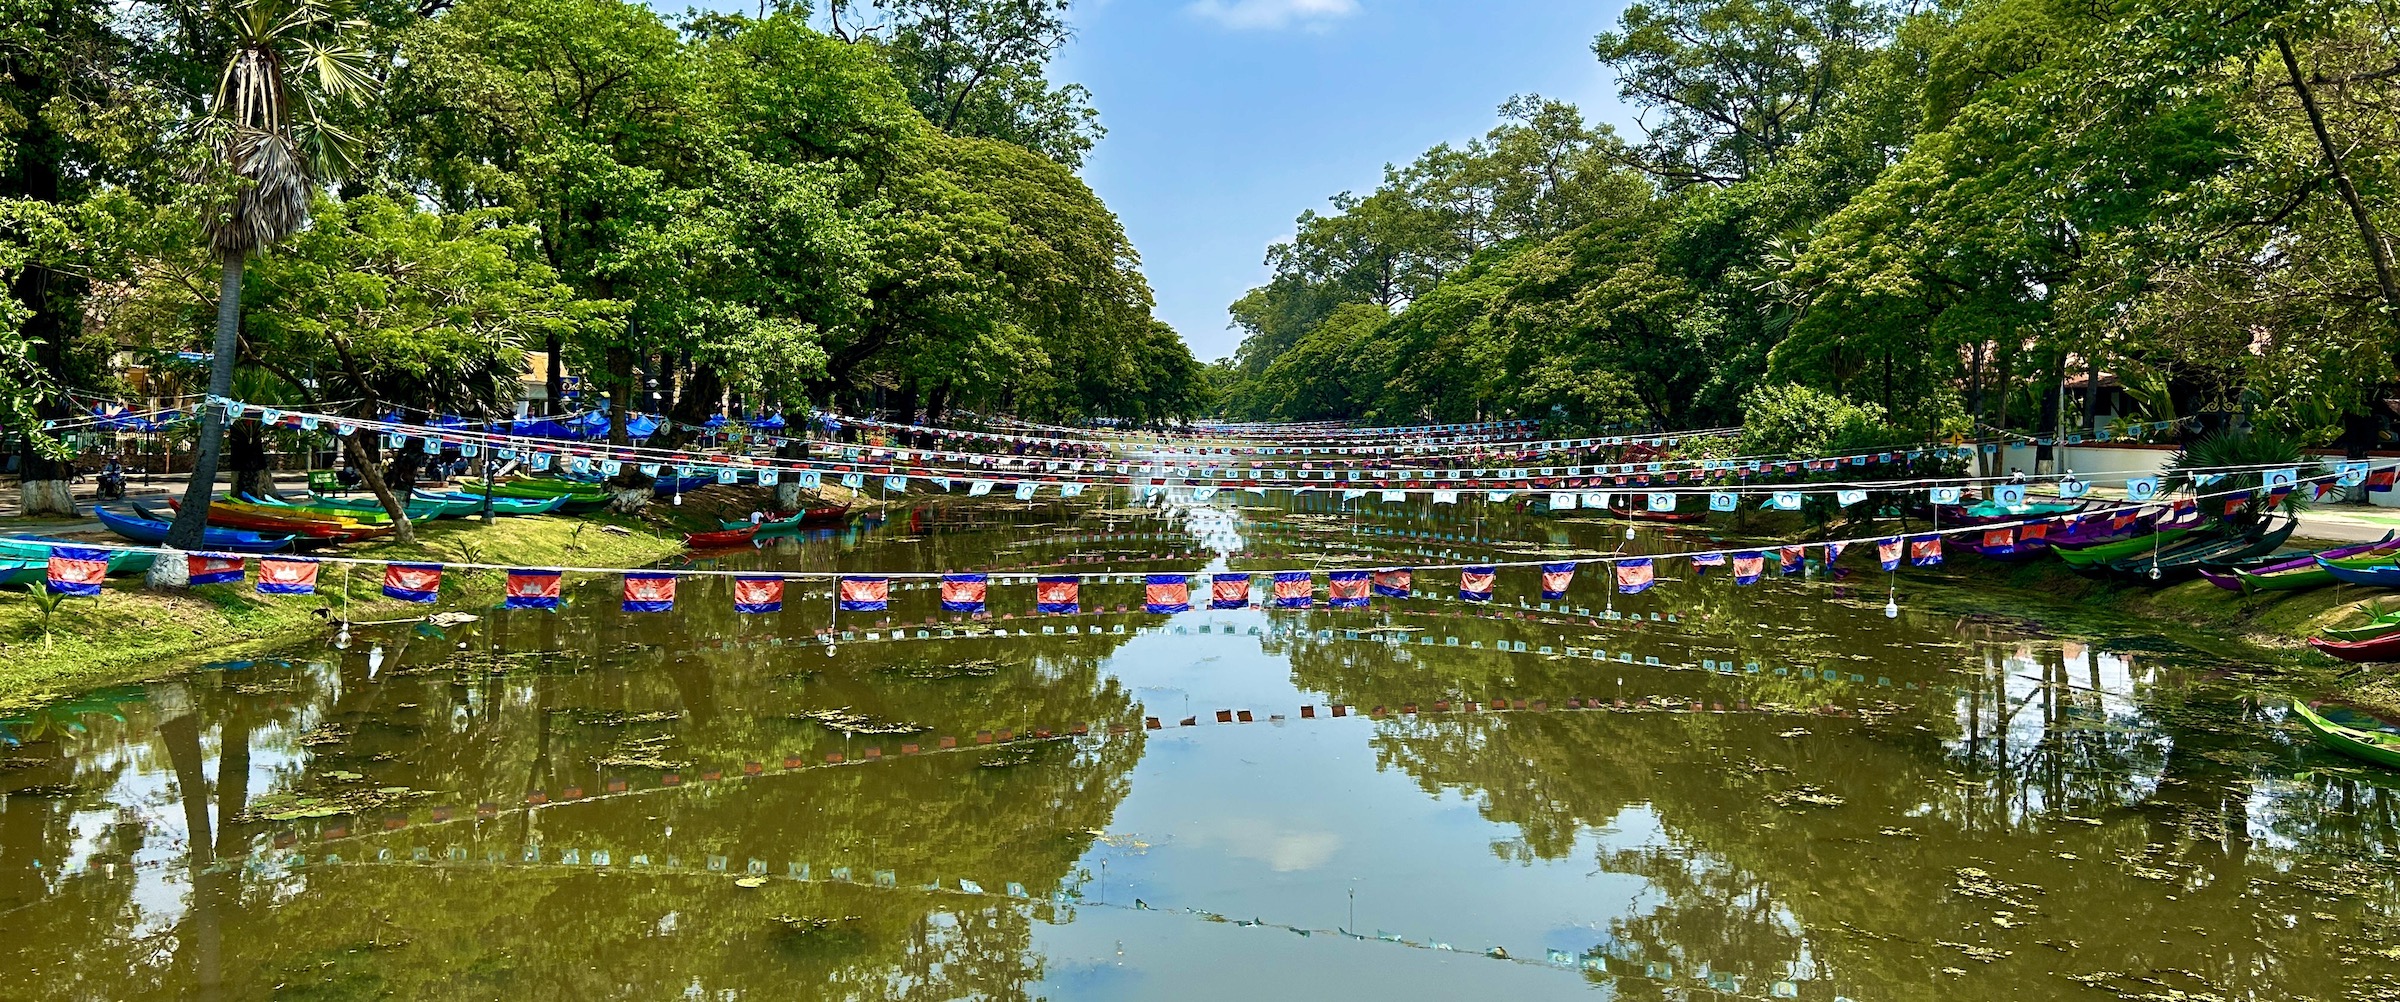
(1061, 596)
(1795, 560)
(965, 592)
(1635, 576)
(1556, 578)
(1166, 593)
(412, 582)
(1748, 567)
(77, 570)
(757, 595)
(1475, 584)
(1997, 538)
(1347, 589)
(214, 568)
(1925, 552)
(1702, 562)
(1393, 583)
(1833, 552)
(1229, 591)
(649, 591)
(2037, 530)
(1292, 590)
(864, 594)
(2380, 481)
(533, 589)
(287, 576)
(1888, 551)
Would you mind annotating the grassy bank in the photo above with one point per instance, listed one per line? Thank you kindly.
(131, 633)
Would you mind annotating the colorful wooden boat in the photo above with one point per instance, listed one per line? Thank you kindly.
(790, 523)
(2384, 575)
(743, 536)
(500, 505)
(575, 498)
(141, 528)
(27, 547)
(2378, 747)
(2372, 649)
(234, 515)
(2379, 626)
(419, 507)
(2290, 573)
(2098, 554)
(24, 572)
(2182, 560)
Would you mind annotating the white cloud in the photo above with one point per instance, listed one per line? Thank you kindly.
(1273, 14)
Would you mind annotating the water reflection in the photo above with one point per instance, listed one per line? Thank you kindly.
(1774, 791)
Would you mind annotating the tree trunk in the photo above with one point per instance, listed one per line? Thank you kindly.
(185, 534)
(633, 491)
(403, 531)
(246, 453)
(554, 385)
(45, 485)
(2378, 254)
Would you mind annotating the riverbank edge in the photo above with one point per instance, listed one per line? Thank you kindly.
(132, 633)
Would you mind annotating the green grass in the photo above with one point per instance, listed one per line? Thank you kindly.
(131, 632)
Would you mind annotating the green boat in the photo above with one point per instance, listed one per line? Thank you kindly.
(579, 497)
(420, 508)
(366, 513)
(24, 572)
(36, 550)
(2366, 631)
(2101, 553)
(2377, 747)
(500, 505)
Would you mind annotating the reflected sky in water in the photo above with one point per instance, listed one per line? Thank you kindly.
(1758, 792)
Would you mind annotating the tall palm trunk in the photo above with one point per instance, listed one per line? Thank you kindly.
(185, 534)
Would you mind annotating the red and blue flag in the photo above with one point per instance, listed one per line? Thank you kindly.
(1165, 593)
(533, 588)
(214, 568)
(756, 596)
(1347, 589)
(649, 591)
(412, 582)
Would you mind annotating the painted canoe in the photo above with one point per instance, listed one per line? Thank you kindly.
(233, 516)
(2373, 649)
(2386, 575)
(30, 573)
(743, 536)
(120, 562)
(153, 531)
(2096, 554)
(500, 505)
(791, 523)
(2187, 557)
(2364, 745)
(2367, 631)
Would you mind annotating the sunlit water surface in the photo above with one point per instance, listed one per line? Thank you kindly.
(1704, 791)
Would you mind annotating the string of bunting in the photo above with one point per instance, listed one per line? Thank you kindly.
(81, 570)
(899, 468)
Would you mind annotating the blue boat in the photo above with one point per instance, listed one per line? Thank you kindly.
(153, 532)
(25, 546)
(2379, 576)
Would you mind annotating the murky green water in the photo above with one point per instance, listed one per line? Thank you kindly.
(1780, 793)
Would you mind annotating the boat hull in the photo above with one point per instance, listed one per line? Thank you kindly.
(2366, 746)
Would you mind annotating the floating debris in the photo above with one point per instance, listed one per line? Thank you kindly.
(325, 734)
(977, 668)
(642, 753)
(1805, 794)
(619, 718)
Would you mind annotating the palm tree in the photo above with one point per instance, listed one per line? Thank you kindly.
(291, 76)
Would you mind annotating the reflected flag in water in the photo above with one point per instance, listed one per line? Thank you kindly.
(965, 592)
(287, 576)
(1748, 567)
(214, 568)
(532, 589)
(1292, 590)
(1165, 593)
(1475, 584)
(1347, 589)
(1888, 551)
(1635, 576)
(77, 570)
(1229, 591)
(1393, 583)
(861, 594)
(1925, 551)
(757, 595)
(412, 582)
(649, 591)
(1061, 596)
(1555, 579)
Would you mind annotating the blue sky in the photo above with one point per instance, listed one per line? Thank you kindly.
(1226, 118)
